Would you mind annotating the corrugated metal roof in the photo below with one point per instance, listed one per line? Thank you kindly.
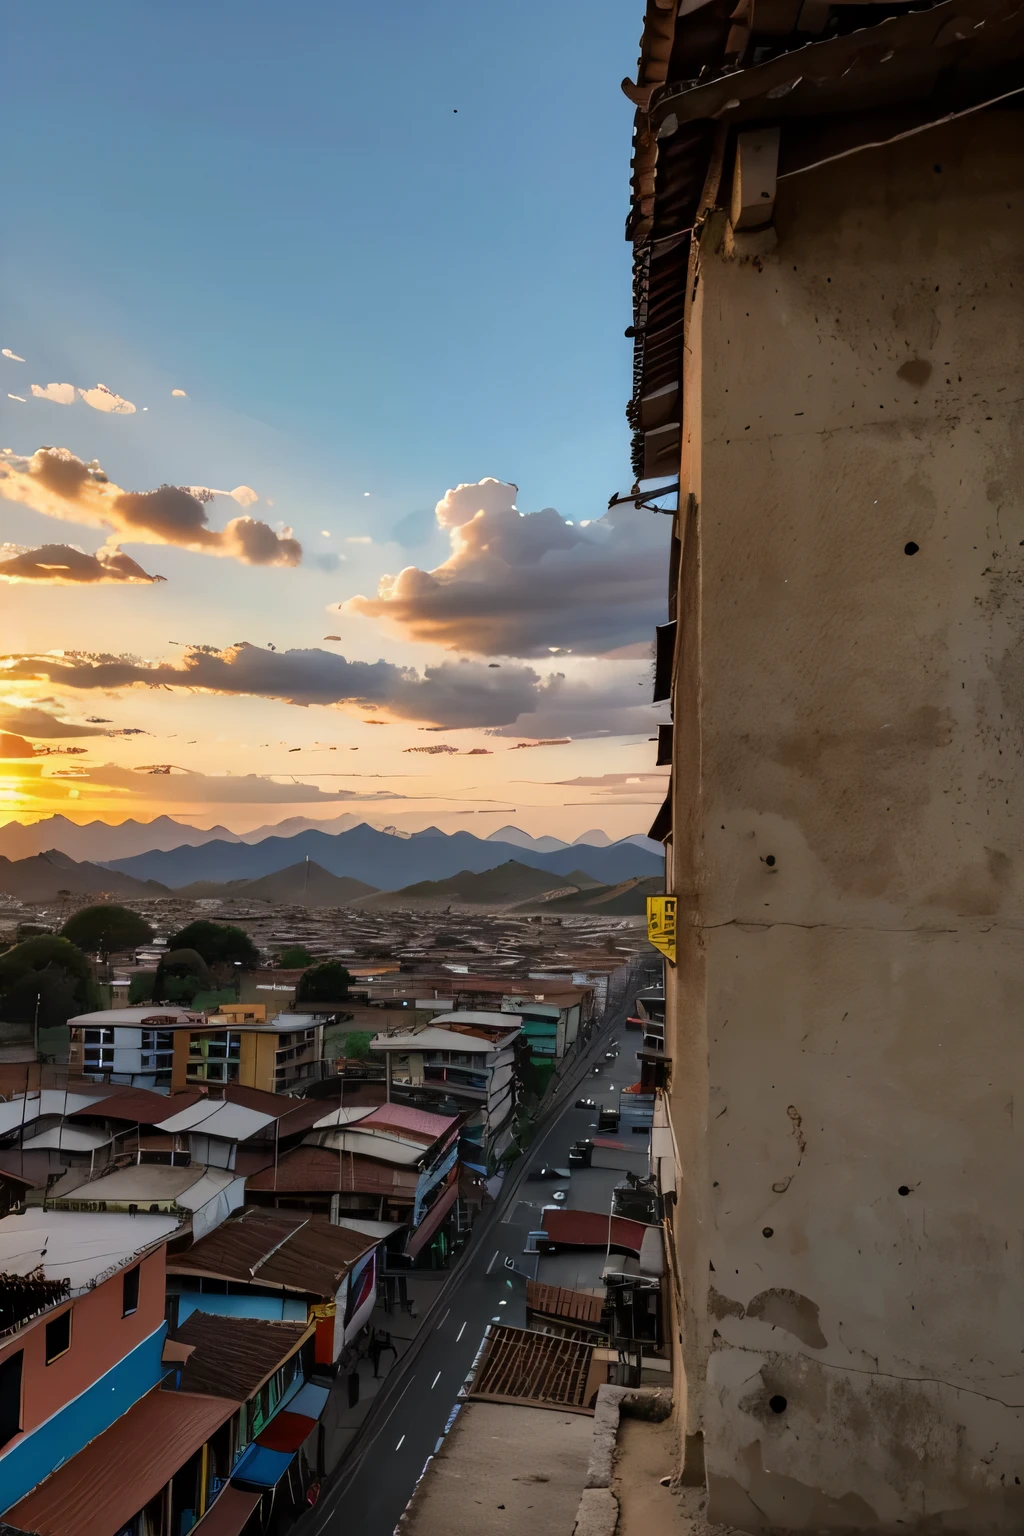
(297, 1252)
(99, 1490)
(233, 1356)
(432, 1220)
(405, 1152)
(518, 1365)
(138, 1106)
(568, 1305)
(218, 1117)
(77, 1245)
(403, 1117)
(592, 1229)
(48, 1101)
(319, 1170)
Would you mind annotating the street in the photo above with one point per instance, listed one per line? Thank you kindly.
(410, 1416)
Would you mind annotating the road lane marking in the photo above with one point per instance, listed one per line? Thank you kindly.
(398, 1447)
(444, 1319)
(435, 1381)
(461, 1331)
(494, 1255)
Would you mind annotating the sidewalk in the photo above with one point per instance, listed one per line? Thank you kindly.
(340, 1422)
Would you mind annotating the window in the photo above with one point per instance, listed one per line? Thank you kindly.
(10, 1396)
(98, 1036)
(101, 1060)
(58, 1336)
(130, 1291)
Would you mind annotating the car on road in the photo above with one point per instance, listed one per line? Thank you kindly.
(608, 1120)
(547, 1172)
(585, 1104)
(581, 1153)
(611, 1055)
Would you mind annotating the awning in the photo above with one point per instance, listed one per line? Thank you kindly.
(272, 1452)
(662, 824)
(227, 1516)
(431, 1221)
(665, 655)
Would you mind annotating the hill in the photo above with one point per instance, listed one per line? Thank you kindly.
(381, 860)
(304, 885)
(41, 878)
(509, 884)
(627, 899)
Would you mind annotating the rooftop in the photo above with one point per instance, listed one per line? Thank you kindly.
(233, 1356)
(80, 1246)
(107, 1483)
(143, 1184)
(217, 1117)
(260, 1247)
(505, 1468)
(321, 1170)
(147, 1015)
(520, 1365)
(438, 1038)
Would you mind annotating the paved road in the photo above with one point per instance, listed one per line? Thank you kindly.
(411, 1414)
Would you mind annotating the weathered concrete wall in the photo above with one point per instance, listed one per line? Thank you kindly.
(848, 849)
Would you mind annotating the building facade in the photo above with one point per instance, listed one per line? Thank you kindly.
(828, 254)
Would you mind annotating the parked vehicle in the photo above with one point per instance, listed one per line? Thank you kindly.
(608, 1120)
(585, 1104)
(581, 1153)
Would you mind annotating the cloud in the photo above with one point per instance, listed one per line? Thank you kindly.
(66, 564)
(31, 721)
(17, 397)
(60, 394)
(103, 399)
(510, 701)
(520, 584)
(190, 788)
(619, 786)
(15, 746)
(12, 355)
(180, 393)
(57, 484)
(243, 494)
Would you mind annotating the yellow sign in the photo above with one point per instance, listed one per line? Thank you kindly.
(322, 1309)
(661, 925)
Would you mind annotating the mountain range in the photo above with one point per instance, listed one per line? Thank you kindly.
(100, 841)
(44, 875)
(302, 885)
(506, 885)
(379, 859)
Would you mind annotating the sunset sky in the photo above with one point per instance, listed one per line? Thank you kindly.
(303, 316)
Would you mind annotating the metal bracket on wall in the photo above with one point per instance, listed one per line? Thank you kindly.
(640, 498)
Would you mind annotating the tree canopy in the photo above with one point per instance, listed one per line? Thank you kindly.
(46, 977)
(218, 944)
(180, 975)
(295, 958)
(103, 930)
(326, 983)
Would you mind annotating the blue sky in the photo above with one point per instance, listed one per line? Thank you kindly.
(381, 250)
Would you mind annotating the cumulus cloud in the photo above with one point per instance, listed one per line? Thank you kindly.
(66, 564)
(60, 394)
(12, 355)
(180, 393)
(103, 399)
(511, 701)
(56, 483)
(243, 494)
(528, 584)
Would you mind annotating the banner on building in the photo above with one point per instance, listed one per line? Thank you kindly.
(661, 925)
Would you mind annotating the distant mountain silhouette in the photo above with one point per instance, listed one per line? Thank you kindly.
(41, 877)
(386, 862)
(305, 885)
(98, 840)
(500, 887)
(629, 899)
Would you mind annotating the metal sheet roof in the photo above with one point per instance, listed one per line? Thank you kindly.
(233, 1356)
(146, 1015)
(404, 1117)
(388, 1149)
(218, 1117)
(100, 1489)
(68, 1138)
(435, 1039)
(592, 1229)
(48, 1101)
(137, 1106)
(228, 1513)
(419, 1239)
(77, 1245)
(321, 1170)
(289, 1249)
(518, 1365)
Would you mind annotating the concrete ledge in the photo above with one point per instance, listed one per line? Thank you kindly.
(598, 1513)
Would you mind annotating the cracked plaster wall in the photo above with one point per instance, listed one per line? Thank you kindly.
(847, 851)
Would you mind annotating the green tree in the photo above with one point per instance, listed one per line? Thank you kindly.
(357, 1045)
(104, 930)
(326, 983)
(218, 943)
(48, 974)
(180, 975)
(140, 988)
(297, 957)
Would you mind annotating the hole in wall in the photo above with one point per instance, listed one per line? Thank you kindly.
(770, 860)
(911, 548)
(767, 1231)
(904, 1189)
(778, 1403)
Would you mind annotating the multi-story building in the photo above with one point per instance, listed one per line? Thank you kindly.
(469, 1060)
(828, 244)
(169, 1049)
(81, 1332)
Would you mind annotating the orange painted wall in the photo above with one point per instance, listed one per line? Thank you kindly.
(100, 1337)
